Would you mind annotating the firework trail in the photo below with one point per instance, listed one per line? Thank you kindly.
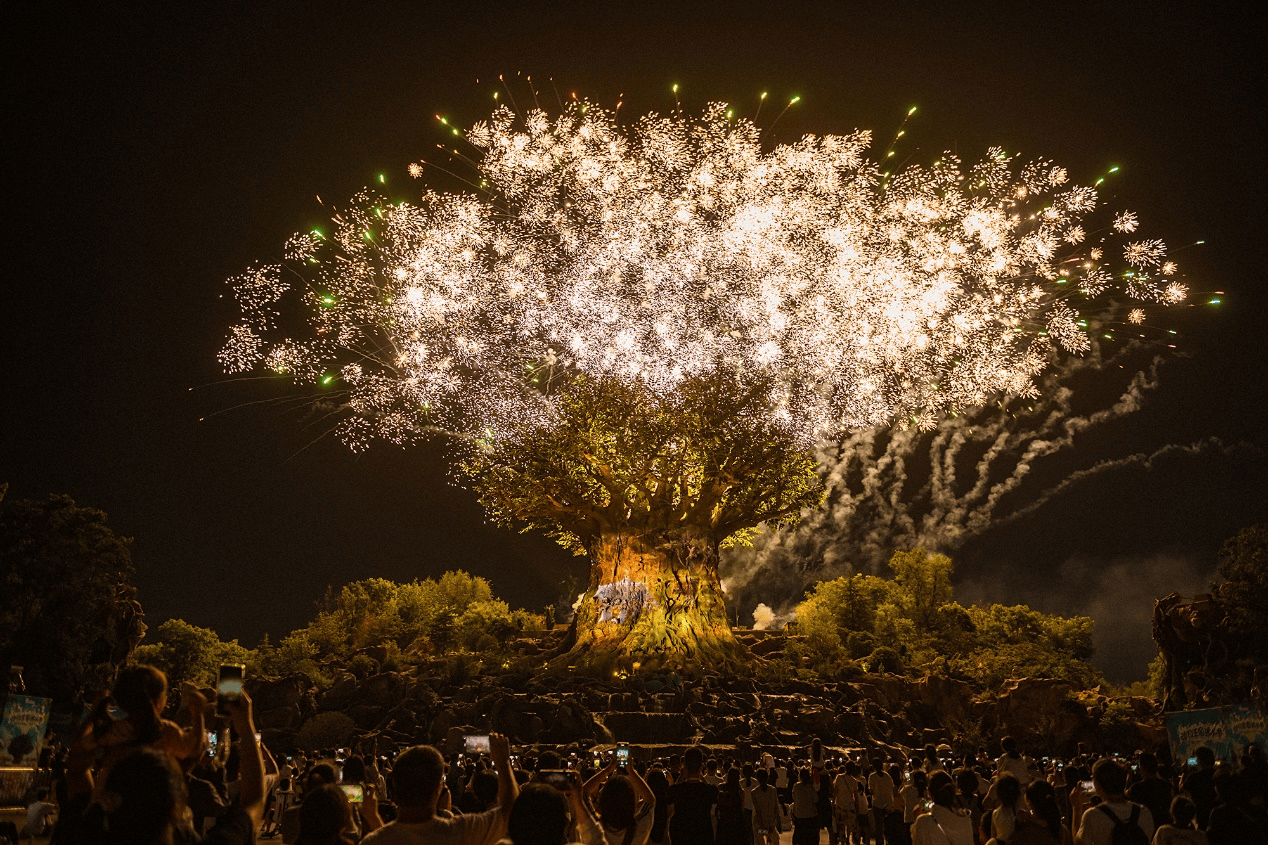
(678, 247)
(892, 489)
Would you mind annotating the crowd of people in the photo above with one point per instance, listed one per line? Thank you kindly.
(131, 776)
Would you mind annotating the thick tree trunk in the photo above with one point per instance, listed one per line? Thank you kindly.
(653, 602)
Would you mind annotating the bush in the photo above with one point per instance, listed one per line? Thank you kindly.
(326, 730)
(363, 666)
(885, 659)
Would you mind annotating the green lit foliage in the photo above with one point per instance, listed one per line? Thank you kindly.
(296, 653)
(187, 652)
(456, 611)
(911, 623)
(620, 459)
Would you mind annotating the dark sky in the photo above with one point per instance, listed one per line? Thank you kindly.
(161, 150)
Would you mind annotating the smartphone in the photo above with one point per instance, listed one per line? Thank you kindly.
(1087, 786)
(476, 743)
(557, 778)
(212, 739)
(1193, 761)
(354, 792)
(623, 753)
(229, 685)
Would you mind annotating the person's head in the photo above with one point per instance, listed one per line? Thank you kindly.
(1008, 788)
(1009, 745)
(763, 777)
(1205, 756)
(803, 775)
(693, 760)
(141, 691)
(1042, 800)
(323, 816)
(965, 782)
(816, 745)
(658, 781)
(538, 817)
(320, 774)
(549, 761)
(354, 770)
(418, 775)
(733, 777)
(931, 753)
(1148, 764)
(616, 803)
(919, 780)
(144, 797)
(878, 765)
(1109, 778)
(941, 789)
(42, 795)
(1183, 811)
(485, 786)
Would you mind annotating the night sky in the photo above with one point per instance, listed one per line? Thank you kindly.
(162, 150)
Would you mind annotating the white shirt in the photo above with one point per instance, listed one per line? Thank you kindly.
(882, 787)
(1096, 828)
(943, 826)
(467, 829)
(1018, 767)
(1169, 834)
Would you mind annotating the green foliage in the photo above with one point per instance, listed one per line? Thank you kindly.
(69, 614)
(296, 653)
(911, 623)
(621, 459)
(187, 652)
(325, 730)
(455, 612)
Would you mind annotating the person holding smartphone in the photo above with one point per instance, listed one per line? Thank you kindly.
(419, 776)
(142, 798)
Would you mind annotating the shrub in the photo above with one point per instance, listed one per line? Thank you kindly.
(326, 730)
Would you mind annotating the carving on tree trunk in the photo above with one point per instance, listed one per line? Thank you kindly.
(654, 601)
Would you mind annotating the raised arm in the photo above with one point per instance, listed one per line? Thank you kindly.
(508, 789)
(641, 789)
(251, 791)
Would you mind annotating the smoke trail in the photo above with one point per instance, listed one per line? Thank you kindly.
(890, 489)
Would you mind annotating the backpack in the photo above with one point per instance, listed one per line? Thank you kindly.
(1126, 832)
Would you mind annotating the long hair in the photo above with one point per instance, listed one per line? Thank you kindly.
(141, 690)
(1042, 799)
(616, 806)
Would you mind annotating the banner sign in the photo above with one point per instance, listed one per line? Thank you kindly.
(1246, 725)
(22, 729)
(1224, 730)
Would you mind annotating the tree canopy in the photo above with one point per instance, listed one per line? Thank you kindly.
(622, 460)
(70, 615)
(913, 617)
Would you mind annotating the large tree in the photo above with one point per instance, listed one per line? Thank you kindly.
(70, 615)
(637, 333)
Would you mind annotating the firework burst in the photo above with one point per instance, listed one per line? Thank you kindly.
(676, 247)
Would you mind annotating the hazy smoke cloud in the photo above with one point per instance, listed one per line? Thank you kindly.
(1119, 594)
